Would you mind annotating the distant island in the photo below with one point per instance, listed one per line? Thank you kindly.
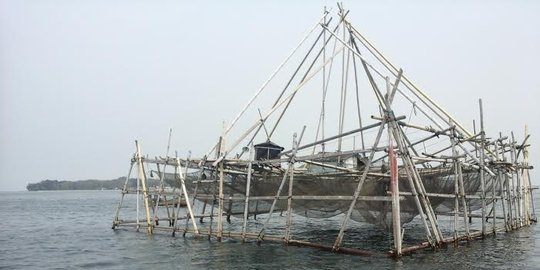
(85, 184)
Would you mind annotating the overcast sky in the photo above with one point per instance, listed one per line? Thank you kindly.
(81, 80)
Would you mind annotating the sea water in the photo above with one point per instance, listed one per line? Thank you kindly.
(72, 230)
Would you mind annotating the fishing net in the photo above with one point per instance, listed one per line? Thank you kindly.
(316, 190)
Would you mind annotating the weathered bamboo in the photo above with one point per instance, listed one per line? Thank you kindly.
(289, 199)
(481, 164)
(248, 188)
(305, 76)
(510, 181)
(120, 203)
(186, 195)
(339, 136)
(339, 238)
(289, 168)
(456, 187)
(142, 179)
(220, 197)
(161, 193)
(463, 200)
(394, 180)
(177, 172)
(519, 186)
(394, 184)
(500, 177)
(529, 201)
(493, 203)
(259, 91)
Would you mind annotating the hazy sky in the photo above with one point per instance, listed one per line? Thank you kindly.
(81, 80)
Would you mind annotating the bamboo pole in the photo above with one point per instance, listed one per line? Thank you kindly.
(274, 202)
(394, 180)
(116, 219)
(220, 202)
(283, 101)
(344, 79)
(214, 197)
(530, 215)
(177, 174)
(394, 183)
(289, 199)
(517, 186)
(248, 188)
(435, 108)
(305, 76)
(426, 202)
(493, 203)
(456, 185)
(430, 103)
(481, 164)
(345, 222)
(259, 91)
(138, 191)
(142, 179)
(186, 195)
(515, 194)
(501, 188)
(463, 200)
(509, 202)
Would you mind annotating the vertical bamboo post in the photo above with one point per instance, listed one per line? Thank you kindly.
(456, 183)
(411, 180)
(142, 179)
(138, 193)
(506, 185)
(509, 201)
(248, 187)
(290, 167)
(323, 104)
(501, 188)
(289, 199)
(343, 95)
(417, 186)
(221, 199)
(176, 211)
(394, 177)
(213, 206)
(416, 183)
(493, 204)
(481, 170)
(161, 193)
(214, 197)
(463, 200)
(529, 201)
(512, 184)
(518, 186)
(394, 189)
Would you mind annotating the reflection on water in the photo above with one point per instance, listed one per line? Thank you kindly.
(71, 229)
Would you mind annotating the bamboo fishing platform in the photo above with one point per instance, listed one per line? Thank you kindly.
(410, 166)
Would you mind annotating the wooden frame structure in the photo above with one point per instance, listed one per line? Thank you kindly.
(474, 177)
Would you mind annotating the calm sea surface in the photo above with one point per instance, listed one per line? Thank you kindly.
(72, 230)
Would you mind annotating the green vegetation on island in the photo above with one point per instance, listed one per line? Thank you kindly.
(85, 184)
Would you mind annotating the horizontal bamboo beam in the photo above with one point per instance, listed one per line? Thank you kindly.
(301, 197)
